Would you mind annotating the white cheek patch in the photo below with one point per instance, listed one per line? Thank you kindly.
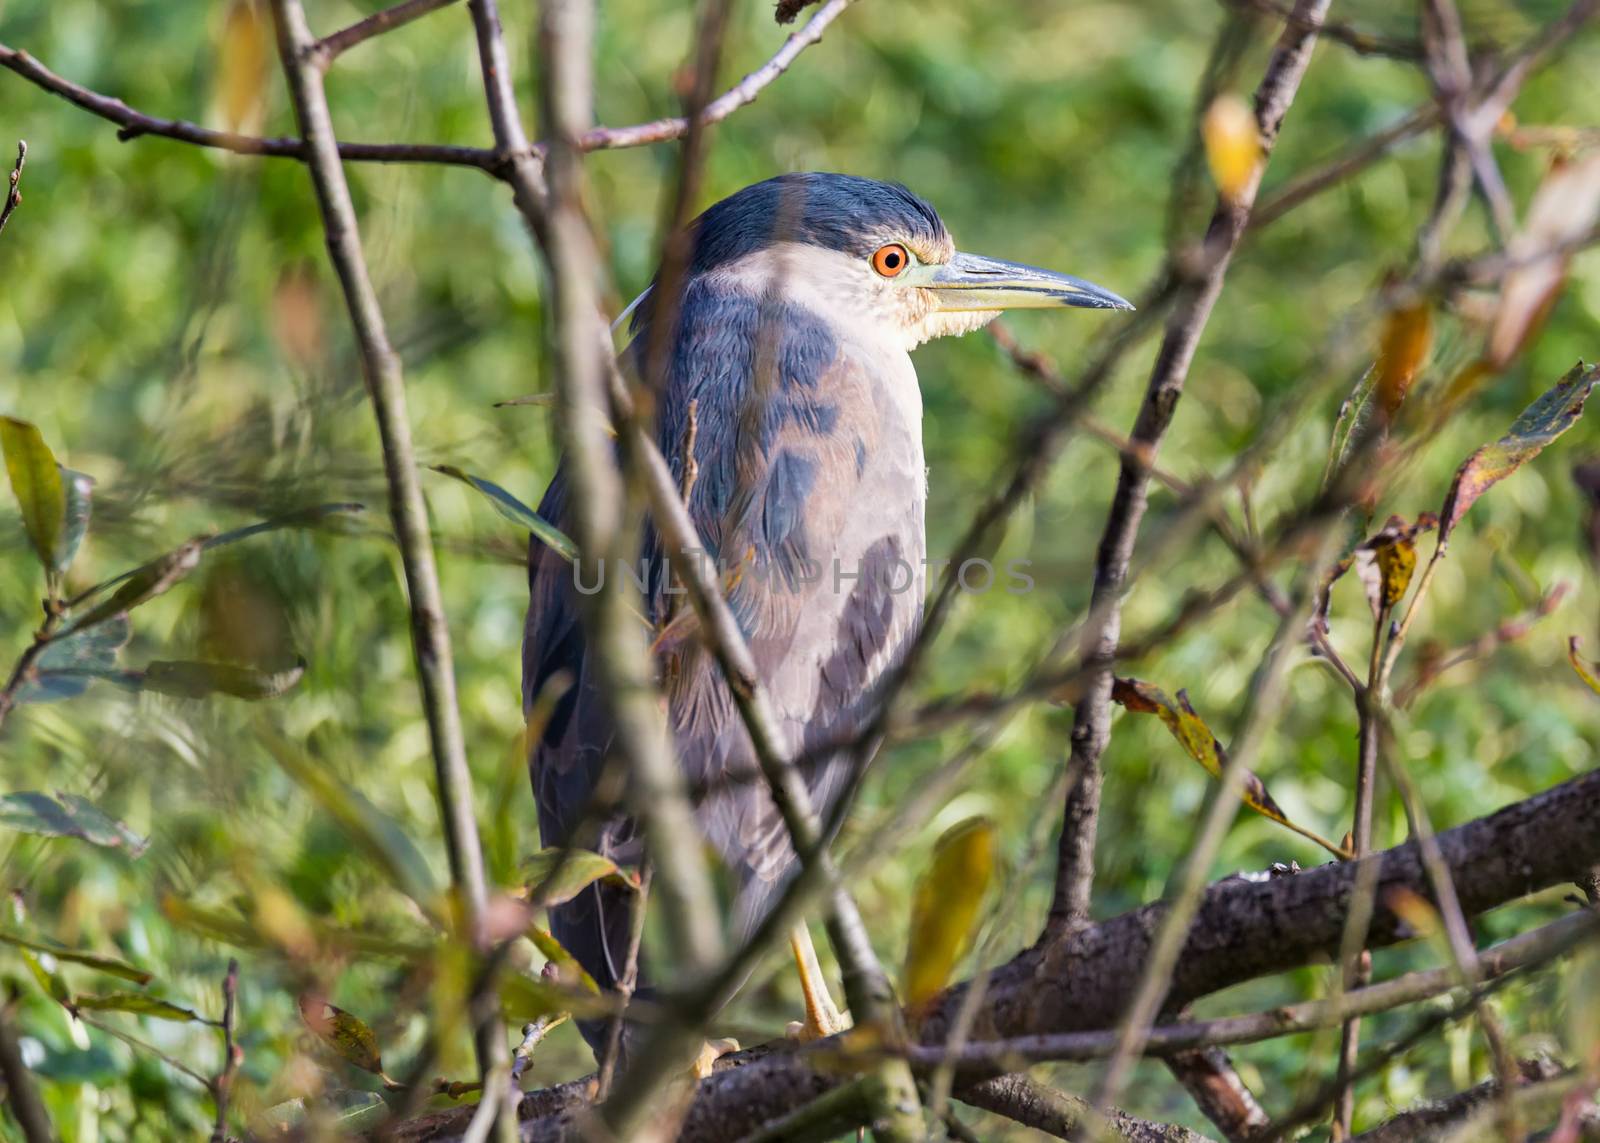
(947, 323)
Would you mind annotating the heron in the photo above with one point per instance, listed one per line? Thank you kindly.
(800, 301)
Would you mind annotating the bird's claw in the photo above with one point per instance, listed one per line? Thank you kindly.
(710, 1052)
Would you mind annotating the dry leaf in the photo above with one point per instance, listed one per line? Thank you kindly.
(1386, 561)
(1407, 336)
(1201, 745)
(242, 66)
(1564, 209)
(1233, 144)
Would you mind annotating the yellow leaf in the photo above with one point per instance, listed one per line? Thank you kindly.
(944, 909)
(1407, 336)
(1232, 142)
(1386, 561)
(1588, 671)
(242, 66)
(1201, 745)
(36, 480)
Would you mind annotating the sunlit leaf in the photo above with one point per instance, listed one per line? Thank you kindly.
(516, 511)
(1232, 142)
(1540, 423)
(1407, 336)
(1386, 561)
(1201, 745)
(198, 680)
(1564, 209)
(568, 970)
(242, 65)
(139, 1004)
(944, 908)
(346, 1033)
(36, 481)
(106, 964)
(143, 585)
(49, 979)
(1588, 670)
(555, 875)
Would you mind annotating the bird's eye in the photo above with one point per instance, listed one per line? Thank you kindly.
(890, 261)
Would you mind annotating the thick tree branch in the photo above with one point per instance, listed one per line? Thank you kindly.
(1079, 982)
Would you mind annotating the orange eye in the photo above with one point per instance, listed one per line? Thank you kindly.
(891, 260)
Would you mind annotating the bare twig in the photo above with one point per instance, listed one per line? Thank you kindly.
(14, 193)
(1091, 726)
(497, 162)
(232, 1054)
(335, 44)
(625, 985)
(386, 388)
(1362, 43)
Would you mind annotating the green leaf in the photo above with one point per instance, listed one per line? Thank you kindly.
(553, 876)
(69, 663)
(372, 831)
(50, 980)
(36, 481)
(1352, 415)
(568, 970)
(198, 680)
(944, 908)
(143, 585)
(106, 964)
(67, 815)
(1587, 671)
(351, 1039)
(140, 1005)
(1552, 414)
(516, 511)
(78, 489)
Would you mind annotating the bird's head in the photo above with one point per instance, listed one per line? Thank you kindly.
(870, 256)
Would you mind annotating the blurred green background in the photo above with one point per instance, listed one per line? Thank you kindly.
(167, 318)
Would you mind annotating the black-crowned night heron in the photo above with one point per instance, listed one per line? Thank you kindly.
(801, 302)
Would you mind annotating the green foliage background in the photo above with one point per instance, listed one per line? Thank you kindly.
(168, 319)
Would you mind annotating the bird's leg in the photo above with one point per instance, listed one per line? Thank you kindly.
(823, 1017)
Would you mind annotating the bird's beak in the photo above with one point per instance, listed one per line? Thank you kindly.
(972, 282)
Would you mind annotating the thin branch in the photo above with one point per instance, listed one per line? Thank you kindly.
(14, 192)
(497, 162)
(1092, 719)
(232, 1054)
(1362, 43)
(386, 388)
(332, 46)
(1356, 159)
(1027, 1101)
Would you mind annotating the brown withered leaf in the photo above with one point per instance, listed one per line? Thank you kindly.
(1587, 670)
(1564, 209)
(1201, 745)
(1540, 423)
(242, 65)
(1407, 337)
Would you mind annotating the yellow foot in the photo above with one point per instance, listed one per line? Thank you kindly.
(710, 1052)
(823, 1018)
